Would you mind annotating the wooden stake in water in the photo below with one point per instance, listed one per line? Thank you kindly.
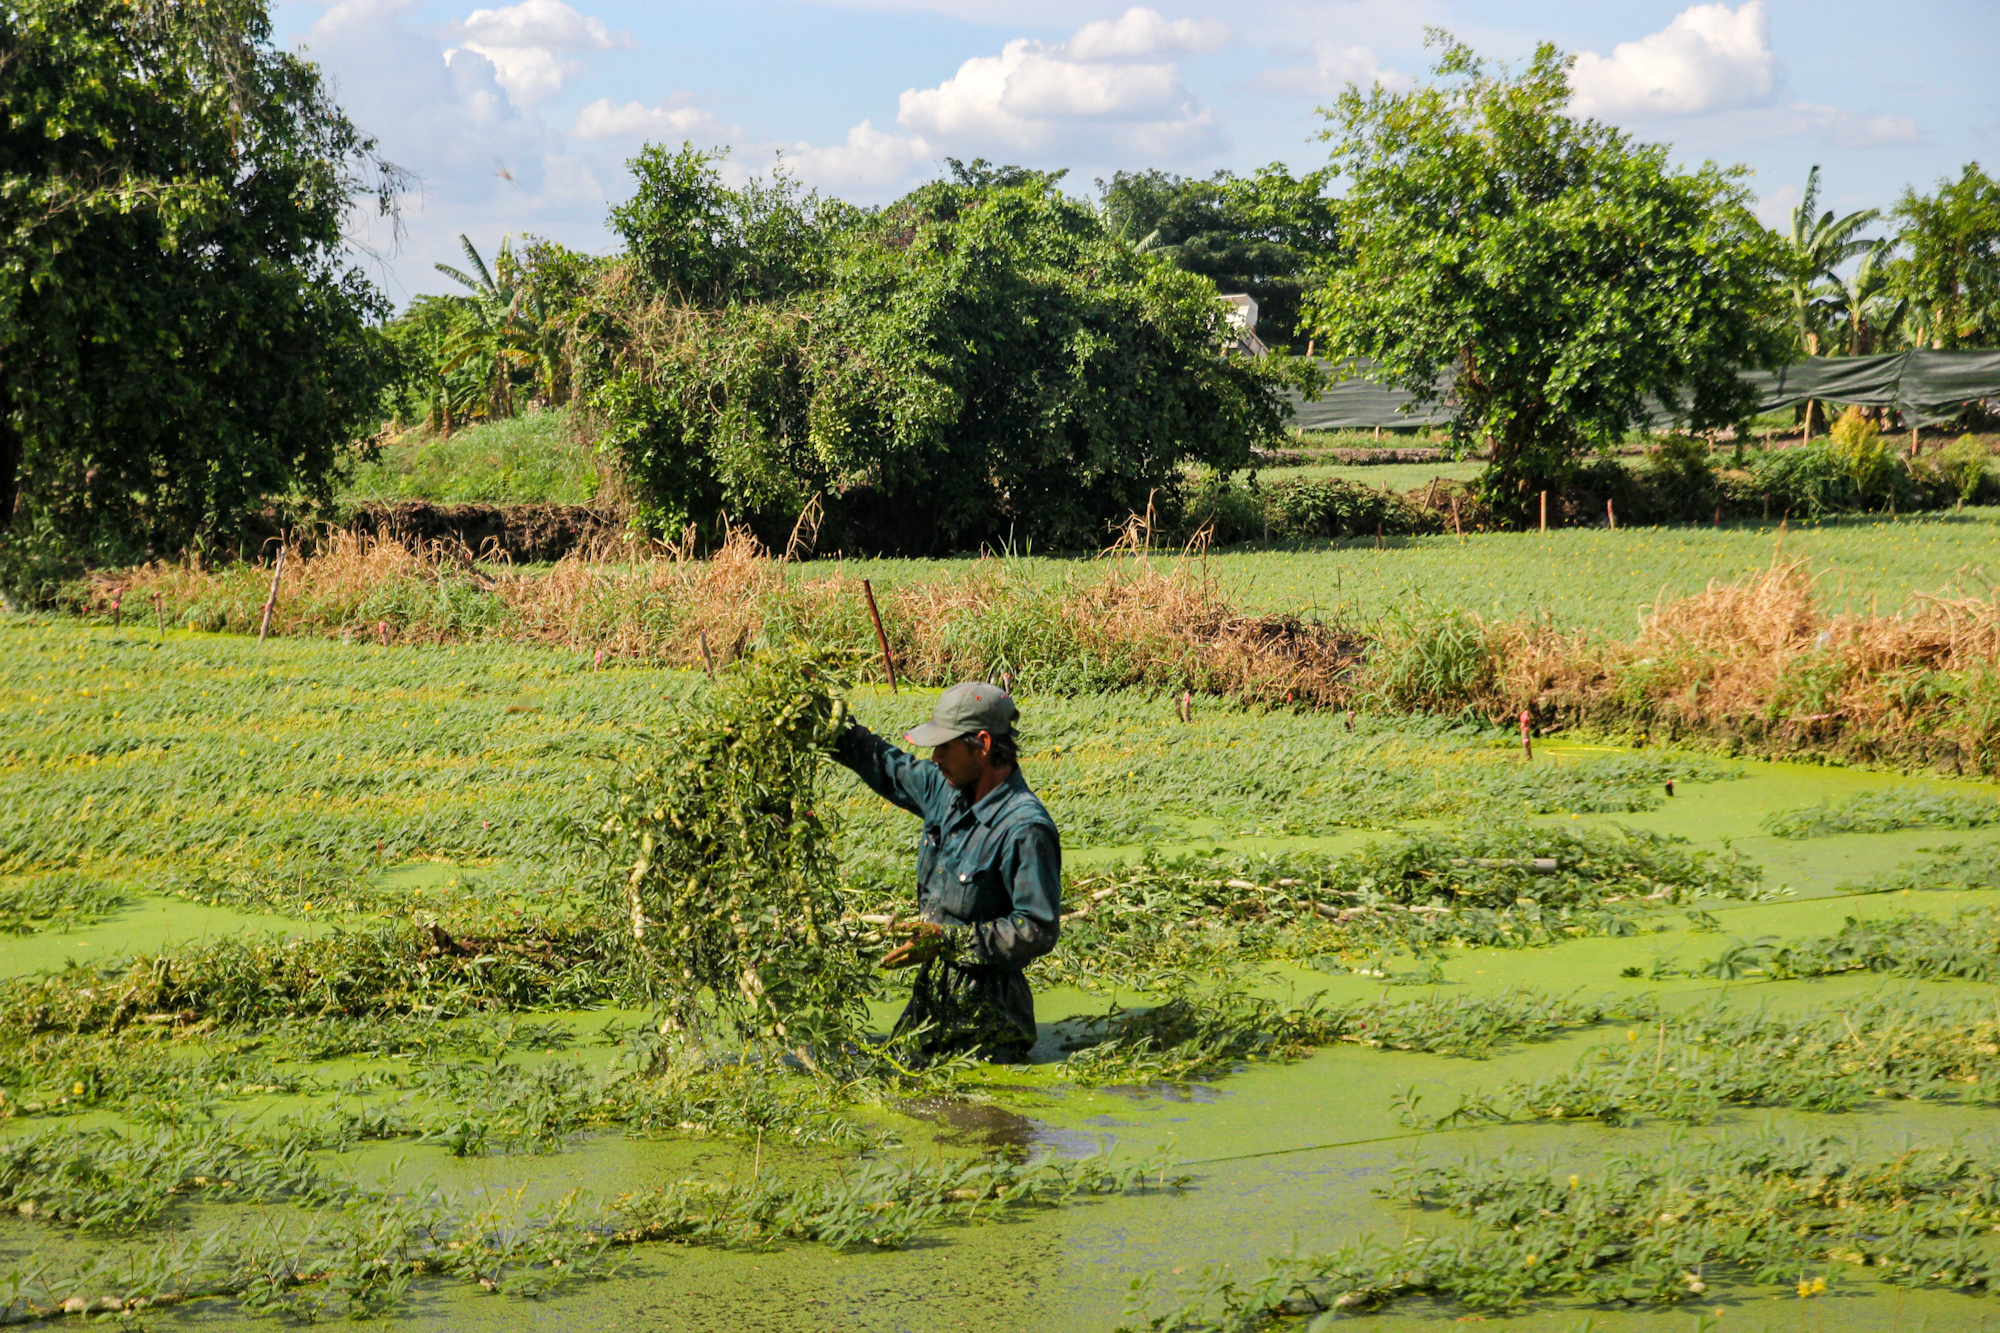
(271, 602)
(1527, 744)
(881, 635)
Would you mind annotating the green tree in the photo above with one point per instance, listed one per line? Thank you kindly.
(182, 336)
(996, 362)
(706, 244)
(1868, 312)
(1952, 272)
(1545, 273)
(1263, 234)
(1810, 254)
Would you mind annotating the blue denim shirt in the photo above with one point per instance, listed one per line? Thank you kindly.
(991, 872)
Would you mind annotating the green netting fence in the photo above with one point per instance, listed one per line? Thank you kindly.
(1923, 388)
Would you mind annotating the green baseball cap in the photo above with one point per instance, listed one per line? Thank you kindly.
(964, 709)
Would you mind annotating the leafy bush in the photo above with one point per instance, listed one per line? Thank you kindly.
(1962, 466)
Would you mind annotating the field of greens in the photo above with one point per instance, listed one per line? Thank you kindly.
(308, 1013)
(1585, 578)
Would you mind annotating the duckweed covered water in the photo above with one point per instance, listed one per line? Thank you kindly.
(1280, 1153)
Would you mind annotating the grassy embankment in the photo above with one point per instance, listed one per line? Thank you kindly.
(537, 458)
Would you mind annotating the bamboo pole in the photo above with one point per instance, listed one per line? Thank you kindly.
(881, 635)
(271, 602)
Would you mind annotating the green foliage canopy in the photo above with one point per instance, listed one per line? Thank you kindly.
(1554, 271)
(1952, 272)
(997, 359)
(978, 361)
(181, 334)
(1263, 234)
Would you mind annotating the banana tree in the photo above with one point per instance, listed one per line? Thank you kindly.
(1869, 313)
(1810, 253)
(499, 340)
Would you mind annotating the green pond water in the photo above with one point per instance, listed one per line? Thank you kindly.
(1279, 1154)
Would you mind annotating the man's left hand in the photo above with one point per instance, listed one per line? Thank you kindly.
(923, 940)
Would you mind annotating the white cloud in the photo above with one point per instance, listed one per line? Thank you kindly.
(868, 158)
(486, 165)
(1844, 129)
(1104, 97)
(532, 44)
(1034, 98)
(1334, 67)
(605, 119)
(1709, 58)
(1145, 32)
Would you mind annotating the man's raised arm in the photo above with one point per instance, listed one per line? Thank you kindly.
(896, 777)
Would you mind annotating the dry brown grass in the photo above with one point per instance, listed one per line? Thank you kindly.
(1757, 664)
(1126, 619)
(1753, 666)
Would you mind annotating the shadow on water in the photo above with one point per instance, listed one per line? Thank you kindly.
(995, 1128)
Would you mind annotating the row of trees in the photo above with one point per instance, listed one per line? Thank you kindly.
(1932, 282)
(985, 360)
(184, 337)
(1555, 272)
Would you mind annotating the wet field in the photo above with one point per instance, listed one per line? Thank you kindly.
(1277, 1155)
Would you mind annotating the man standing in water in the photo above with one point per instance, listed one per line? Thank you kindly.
(989, 873)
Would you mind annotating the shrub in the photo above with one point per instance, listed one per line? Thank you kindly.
(1431, 659)
(1856, 446)
(1961, 465)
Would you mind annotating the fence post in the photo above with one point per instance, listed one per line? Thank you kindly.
(881, 635)
(1545, 511)
(271, 602)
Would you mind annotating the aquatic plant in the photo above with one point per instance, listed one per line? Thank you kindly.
(1657, 1226)
(1886, 810)
(1688, 1066)
(722, 871)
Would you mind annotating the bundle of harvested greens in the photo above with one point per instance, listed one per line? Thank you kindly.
(718, 845)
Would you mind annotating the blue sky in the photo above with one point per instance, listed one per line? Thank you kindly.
(518, 118)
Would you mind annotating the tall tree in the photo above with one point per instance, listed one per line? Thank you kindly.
(1810, 255)
(1544, 273)
(1952, 271)
(1263, 234)
(182, 335)
(997, 362)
